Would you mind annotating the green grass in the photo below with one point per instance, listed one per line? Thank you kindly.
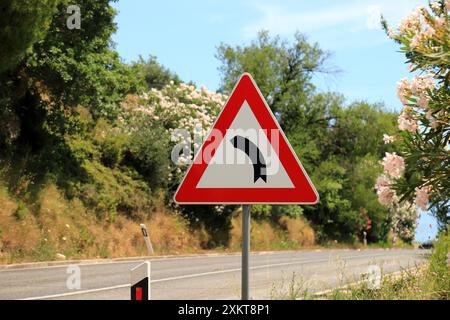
(431, 282)
(294, 289)
(427, 282)
(21, 212)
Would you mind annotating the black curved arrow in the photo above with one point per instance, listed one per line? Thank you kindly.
(255, 155)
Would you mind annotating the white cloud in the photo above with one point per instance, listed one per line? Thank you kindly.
(355, 15)
(373, 19)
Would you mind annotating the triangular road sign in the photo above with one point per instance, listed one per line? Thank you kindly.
(246, 158)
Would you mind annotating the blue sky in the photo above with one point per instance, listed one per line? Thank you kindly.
(184, 35)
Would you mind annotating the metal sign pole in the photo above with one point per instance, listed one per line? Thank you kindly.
(245, 250)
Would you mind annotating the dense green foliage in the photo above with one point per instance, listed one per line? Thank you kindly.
(338, 145)
(22, 24)
(283, 72)
(58, 107)
(66, 69)
(66, 115)
(154, 74)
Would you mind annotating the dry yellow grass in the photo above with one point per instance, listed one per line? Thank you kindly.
(16, 235)
(170, 234)
(263, 236)
(288, 233)
(298, 231)
(53, 224)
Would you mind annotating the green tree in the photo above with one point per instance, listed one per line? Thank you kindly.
(148, 151)
(64, 70)
(22, 24)
(51, 103)
(153, 74)
(337, 144)
(283, 71)
(80, 66)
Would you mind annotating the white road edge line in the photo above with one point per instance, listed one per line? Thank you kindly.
(151, 259)
(77, 292)
(89, 264)
(195, 275)
(171, 258)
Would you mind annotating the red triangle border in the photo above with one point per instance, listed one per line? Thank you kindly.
(303, 191)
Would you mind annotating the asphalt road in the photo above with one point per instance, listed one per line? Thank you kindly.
(209, 277)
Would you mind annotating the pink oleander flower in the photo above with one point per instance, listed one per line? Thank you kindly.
(433, 122)
(386, 196)
(423, 102)
(439, 22)
(385, 193)
(436, 6)
(402, 90)
(406, 122)
(429, 32)
(419, 86)
(388, 139)
(382, 181)
(416, 41)
(391, 33)
(422, 197)
(447, 4)
(394, 165)
(412, 23)
(422, 37)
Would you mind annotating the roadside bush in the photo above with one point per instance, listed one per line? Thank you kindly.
(112, 148)
(420, 174)
(21, 212)
(439, 266)
(148, 153)
(261, 211)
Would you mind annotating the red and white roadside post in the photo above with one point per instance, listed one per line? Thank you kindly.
(140, 281)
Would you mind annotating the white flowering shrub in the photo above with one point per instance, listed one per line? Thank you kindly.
(184, 113)
(404, 220)
(180, 110)
(403, 214)
(420, 172)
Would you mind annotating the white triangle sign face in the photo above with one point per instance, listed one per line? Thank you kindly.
(239, 173)
(246, 158)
